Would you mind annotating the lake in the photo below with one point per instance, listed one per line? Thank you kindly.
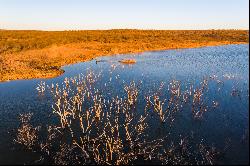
(225, 124)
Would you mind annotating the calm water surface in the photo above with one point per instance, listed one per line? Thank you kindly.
(229, 65)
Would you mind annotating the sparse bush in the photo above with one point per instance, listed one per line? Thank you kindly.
(92, 129)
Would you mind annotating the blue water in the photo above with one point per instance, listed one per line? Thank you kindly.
(189, 66)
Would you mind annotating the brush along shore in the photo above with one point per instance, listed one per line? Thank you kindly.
(41, 54)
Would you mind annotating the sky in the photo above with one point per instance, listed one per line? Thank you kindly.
(123, 14)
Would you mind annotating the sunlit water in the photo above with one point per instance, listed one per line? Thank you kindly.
(228, 123)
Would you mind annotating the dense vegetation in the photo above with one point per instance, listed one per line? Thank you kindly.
(15, 41)
(32, 54)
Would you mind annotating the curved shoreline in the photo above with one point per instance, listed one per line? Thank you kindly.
(59, 71)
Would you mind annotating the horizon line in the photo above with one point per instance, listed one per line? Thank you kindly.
(123, 29)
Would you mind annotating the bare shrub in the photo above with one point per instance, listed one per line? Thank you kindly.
(26, 134)
(93, 129)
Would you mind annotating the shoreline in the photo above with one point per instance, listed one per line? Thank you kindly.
(39, 54)
(58, 72)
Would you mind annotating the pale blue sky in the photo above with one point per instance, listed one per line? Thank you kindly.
(110, 14)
